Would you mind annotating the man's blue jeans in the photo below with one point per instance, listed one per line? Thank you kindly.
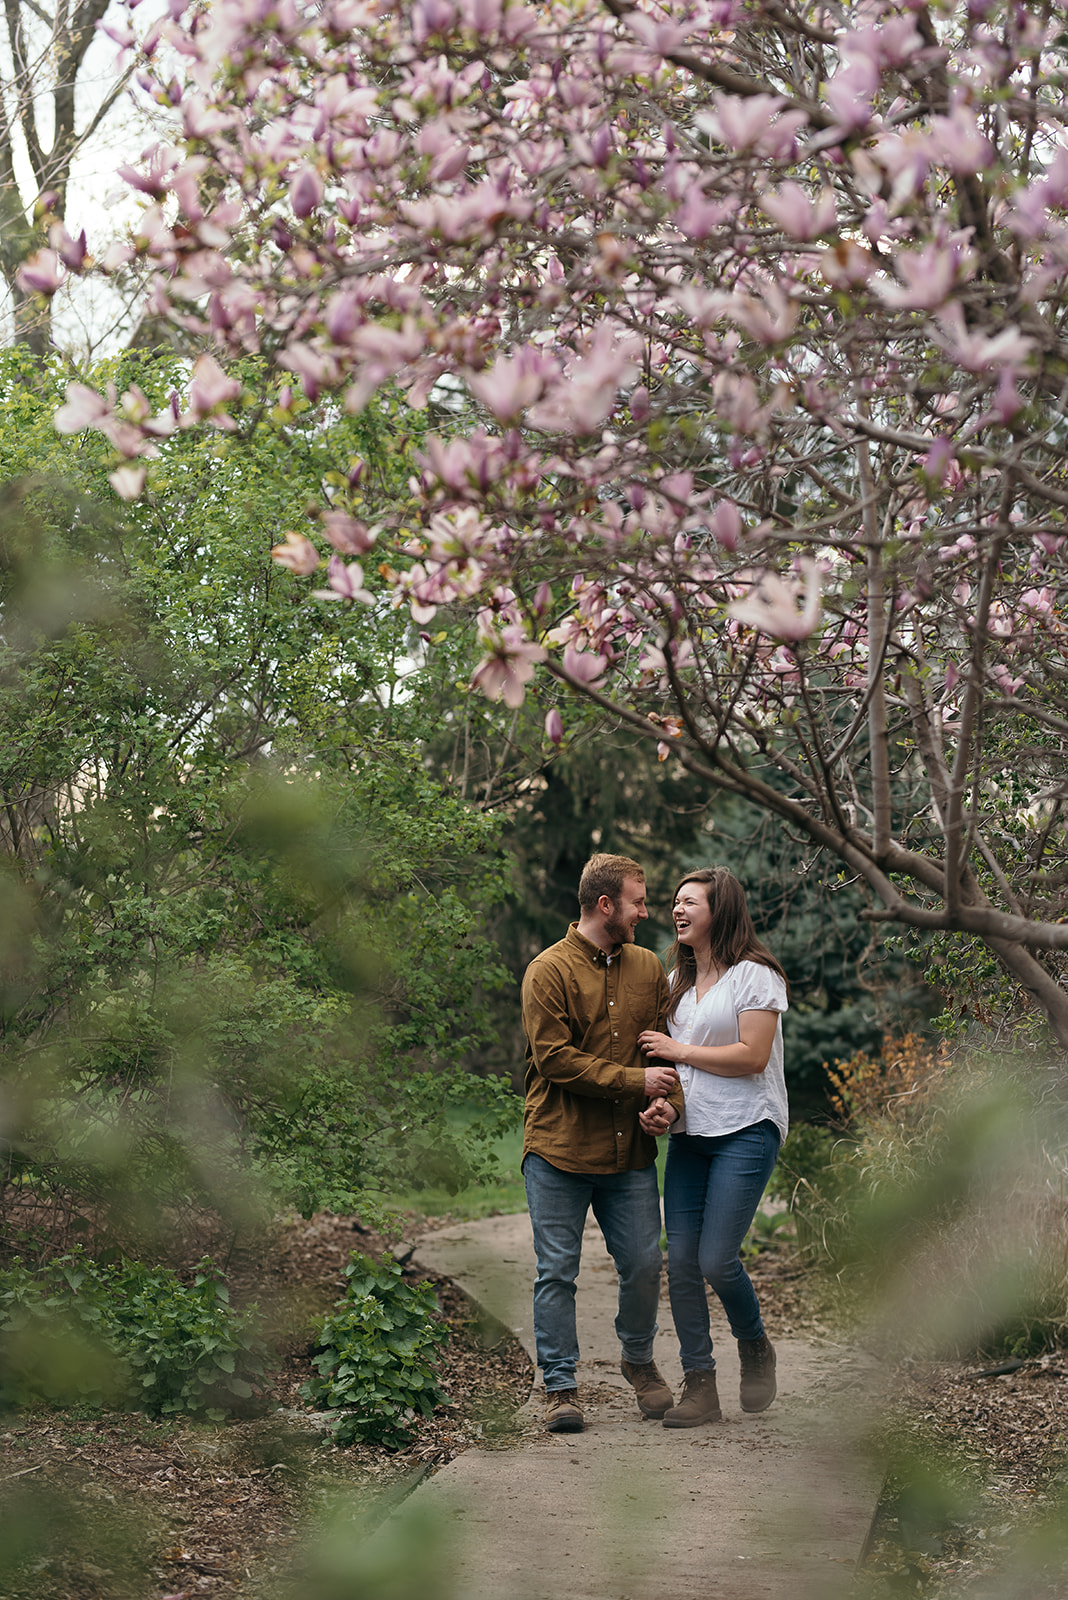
(712, 1187)
(627, 1207)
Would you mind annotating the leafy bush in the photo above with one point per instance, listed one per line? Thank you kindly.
(376, 1353)
(126, 1335)
(811, 1176)
(899, 1082)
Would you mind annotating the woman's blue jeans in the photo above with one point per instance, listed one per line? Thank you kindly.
(712, 1187)
(627, 1207)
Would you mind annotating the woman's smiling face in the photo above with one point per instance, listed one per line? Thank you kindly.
(692, 914)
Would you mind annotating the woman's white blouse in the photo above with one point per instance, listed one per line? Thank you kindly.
(717, 1105)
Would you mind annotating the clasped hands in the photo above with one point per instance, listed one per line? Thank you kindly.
(657, 1117)
(660, 1079)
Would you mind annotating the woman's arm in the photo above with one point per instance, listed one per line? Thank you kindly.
(746, 1059)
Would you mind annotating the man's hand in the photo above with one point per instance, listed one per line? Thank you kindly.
(657, 1117)
(660, 1080)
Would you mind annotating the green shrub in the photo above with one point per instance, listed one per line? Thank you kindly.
(814, 1175)
(375, 1355)
(125, 1335)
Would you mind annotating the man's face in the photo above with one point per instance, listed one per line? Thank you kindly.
(627, 912)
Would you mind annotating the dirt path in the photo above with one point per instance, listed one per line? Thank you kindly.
(753, 1508)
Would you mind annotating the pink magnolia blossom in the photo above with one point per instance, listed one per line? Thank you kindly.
(980, 352)
(958, 144)
(769, 316)
(128, 482)
(116, 256)
(999, 622)
(1005, 681)
(584, 395)
(661, 36)
(758, 122)
(783, 663)
(937, 461)
(699, 216)
(1007, 401)
(1041, 601)
(210, 389)
(72, 252)
(42, 273)
(798, 214)
(153, 177)
(926, 277)
(738, 403)
(726, 525)
(672, 728)
(84, 408)
(554, 726)
(771, 605)
(348, 534)
(846, 264)
(316, 369)
(297, 553)
(513, 382)
(850, 93)
(672, 324)
(306, 192)
(346, 582)
(508, 666)
(584, 666)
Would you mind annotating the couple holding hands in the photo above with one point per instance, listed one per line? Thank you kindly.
(617, 1054)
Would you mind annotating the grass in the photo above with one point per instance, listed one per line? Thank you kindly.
(503, 1194)
(506, 1193)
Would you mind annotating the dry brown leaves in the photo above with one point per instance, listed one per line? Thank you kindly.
(133, 1507)
(975, 1496)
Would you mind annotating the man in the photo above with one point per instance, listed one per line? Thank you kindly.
(585, 1001)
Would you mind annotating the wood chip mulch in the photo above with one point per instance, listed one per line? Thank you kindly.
(975, 1501)
(118, 1505)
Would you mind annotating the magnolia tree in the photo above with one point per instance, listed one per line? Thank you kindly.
(745, 326)
(56, 102)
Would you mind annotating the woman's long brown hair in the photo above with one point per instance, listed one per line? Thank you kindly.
(731, 937)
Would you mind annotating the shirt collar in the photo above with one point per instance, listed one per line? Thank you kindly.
(593, 952)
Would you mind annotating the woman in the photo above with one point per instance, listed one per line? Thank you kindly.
(727, 996)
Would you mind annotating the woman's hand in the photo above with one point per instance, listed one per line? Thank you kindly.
(662, 1045)
(657, 1117)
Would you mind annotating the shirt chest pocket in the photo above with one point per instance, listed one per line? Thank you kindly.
(637, 1003)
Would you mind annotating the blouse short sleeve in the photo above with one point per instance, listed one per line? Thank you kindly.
(758, 988)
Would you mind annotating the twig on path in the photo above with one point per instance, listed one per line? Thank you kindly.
(23, 1473)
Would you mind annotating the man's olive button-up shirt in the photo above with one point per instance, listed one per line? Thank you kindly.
(585, 1081)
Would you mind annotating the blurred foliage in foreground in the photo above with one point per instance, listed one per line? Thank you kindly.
(240, 957)
(939, 1202)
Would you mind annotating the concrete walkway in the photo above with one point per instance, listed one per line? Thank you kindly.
(773, 1505)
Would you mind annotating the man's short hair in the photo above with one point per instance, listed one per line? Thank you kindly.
(604, 874)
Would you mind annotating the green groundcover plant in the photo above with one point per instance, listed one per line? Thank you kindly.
(125, 1335)
(376, 1355)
